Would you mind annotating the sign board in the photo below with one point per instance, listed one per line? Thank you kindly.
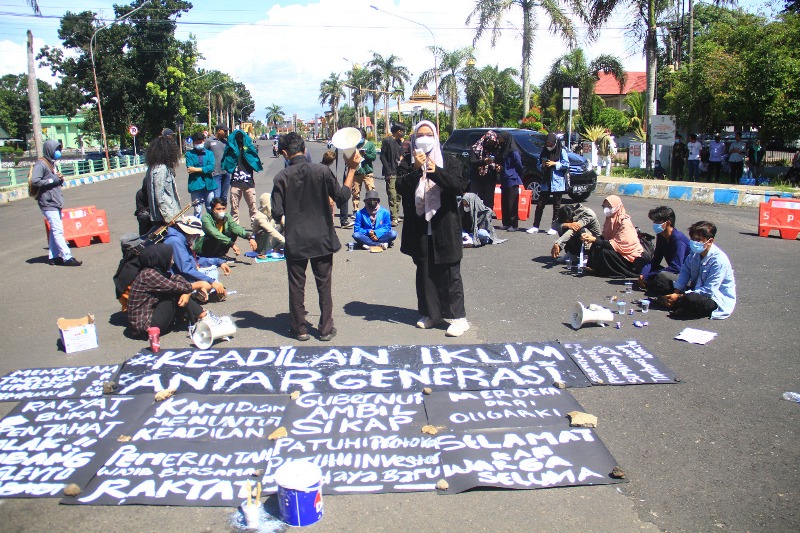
(60, 382)
(662, 130)
(133, 130)
(619, 363)
(569, 98)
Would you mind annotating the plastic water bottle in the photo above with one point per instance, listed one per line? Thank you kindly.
(581, 262)
(792, 396)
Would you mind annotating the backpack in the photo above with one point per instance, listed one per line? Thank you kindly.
(648, 243)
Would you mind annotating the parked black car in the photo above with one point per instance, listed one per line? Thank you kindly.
(583, 180)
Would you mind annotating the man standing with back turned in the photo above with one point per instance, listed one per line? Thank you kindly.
(391, 153)
(301, 193)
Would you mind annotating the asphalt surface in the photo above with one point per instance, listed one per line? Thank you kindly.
(717, 451)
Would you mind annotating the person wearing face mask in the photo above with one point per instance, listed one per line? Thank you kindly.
(510, 180)
(756, 160)
(554, 165)
(47, 182)
(617, 251)
(694, 147)
(242, 162)
(373, 226)
(672, 246)
(680, 152)
(736, 154)
(182, 237)
(705, 287)
(575, 220)
(716, 151)
(430, 183)
(217, 144)
(200, 164)
(220, 232)
(486, 165)
(364, 174)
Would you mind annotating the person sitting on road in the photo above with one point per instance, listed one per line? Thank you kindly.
(476, 221)
(373, 226)
(268, 233)
(220, 232)
(617, 251)
(705, 286)
(574, 220)
(182, 237)
(158, 296)
(672, 246)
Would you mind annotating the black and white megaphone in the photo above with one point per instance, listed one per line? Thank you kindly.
(346, 140)
(206, 332)
(594, 314)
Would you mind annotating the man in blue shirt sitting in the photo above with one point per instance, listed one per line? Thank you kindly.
(373, 226)
(705, 285)
(672, 246)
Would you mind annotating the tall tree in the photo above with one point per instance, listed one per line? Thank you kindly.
(331, 91)
(391, 76)
(451, 74)
(493, 96)
(275, 115)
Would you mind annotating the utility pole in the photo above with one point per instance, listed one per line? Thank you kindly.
(650, 61)
(33, 99)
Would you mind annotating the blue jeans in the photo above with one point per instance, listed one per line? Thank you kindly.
(363, 238)
(694, 165)
(204, 195)
(55, 238)
(223, 186)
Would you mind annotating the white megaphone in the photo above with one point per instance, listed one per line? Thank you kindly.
(594, 314)
(346, 140)
(206, 332)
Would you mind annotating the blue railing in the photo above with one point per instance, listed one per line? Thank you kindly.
(18, 176)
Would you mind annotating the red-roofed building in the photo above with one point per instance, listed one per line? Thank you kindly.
(607, 88)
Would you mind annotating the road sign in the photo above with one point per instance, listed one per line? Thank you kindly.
(569, 98)
(662, 129)
(133, 130)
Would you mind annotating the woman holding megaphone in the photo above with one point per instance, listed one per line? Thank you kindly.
(430, 184)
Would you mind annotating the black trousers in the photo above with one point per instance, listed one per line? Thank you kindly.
(509, 201)
(737, 169)
(484, 188)
(573, 245)
(695, 305)
(676, 170)
(440, 289)
(661, 284)
(166, 310)
(714, 169)
(322, 267)
(543, 197)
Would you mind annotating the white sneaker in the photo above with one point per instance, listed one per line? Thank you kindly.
(457, 327)
(532, 230)
(425, 322)
(551, 231)
(385, 245)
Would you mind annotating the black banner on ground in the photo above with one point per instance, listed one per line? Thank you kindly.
(405, 461)
(542, 407)
(315, 414)
(619, 363)
(47, 444)
(177, 472)
(211, 417)
(60, 382)
(351, 369)
(524, 458)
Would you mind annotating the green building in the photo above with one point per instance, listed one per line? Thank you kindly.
(67, 130)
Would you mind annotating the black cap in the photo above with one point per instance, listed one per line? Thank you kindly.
(222, 127)
(372, 195)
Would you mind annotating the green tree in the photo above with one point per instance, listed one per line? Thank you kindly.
(275, 115)
(493, 96)
(391, 77)
(15, 112)
(331, 91)
(451, 73)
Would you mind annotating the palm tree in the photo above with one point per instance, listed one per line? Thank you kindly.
(489, 91)
(571, 70)
(275, 114)
(491, 14)
(332, 91)
(451, 74)
(391, 76)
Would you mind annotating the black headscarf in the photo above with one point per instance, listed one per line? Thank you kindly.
(507, 144)
(555, 153)
(157, 257)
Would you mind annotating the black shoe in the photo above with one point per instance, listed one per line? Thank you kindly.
(56, 261)
(329, 336)
(72, 262)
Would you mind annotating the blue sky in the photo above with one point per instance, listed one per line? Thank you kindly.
(287, 48)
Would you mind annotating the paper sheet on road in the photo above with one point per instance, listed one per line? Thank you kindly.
(696, 336)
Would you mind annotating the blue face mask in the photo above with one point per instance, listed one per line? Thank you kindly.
(57, 154)
(696, 246)
(658, 228)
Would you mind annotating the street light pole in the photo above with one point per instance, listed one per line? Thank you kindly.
(435, 60)
(209, 98)
(94, 73)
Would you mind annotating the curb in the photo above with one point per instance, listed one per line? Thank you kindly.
(21, 192)
(689, 192)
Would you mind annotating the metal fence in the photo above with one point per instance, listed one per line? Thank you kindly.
(18, 176)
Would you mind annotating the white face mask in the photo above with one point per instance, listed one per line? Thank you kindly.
(425, 144)
(218, 215)
(607, 211)
(198, 147)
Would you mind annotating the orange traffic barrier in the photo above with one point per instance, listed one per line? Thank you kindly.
(82, 225)
(782, 214)
(524, 204)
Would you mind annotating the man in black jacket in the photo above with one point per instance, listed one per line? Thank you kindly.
(391, 153)
(301, 193)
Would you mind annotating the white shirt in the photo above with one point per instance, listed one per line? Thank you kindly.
(694, 150)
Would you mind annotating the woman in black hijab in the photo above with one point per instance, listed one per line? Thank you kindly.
(554, 165)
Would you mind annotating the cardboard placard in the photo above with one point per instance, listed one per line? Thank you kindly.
(78, 334)
(403, 461)
(354, 414)
(525, 458)
(351, 369)
(47, 444)
(61, 382)
(543, 407)
(211, 417)
(619, 363)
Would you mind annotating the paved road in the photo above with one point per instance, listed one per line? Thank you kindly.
(716, 452)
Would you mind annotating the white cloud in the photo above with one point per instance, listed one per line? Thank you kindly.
(14, 60)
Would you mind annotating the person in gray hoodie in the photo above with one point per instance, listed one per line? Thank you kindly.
(47, 181)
